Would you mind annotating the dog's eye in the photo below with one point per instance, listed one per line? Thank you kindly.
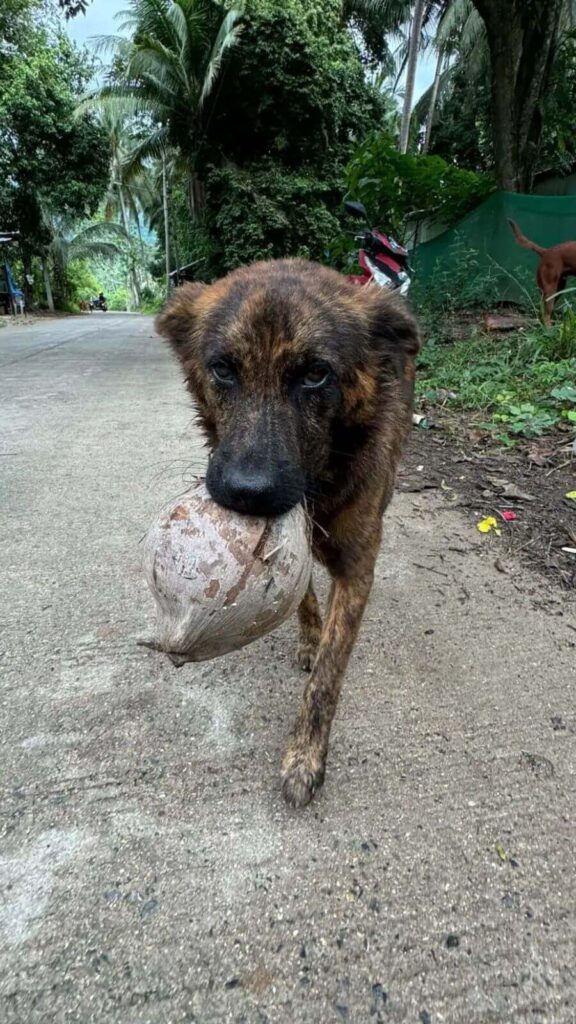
(223, 373)
(315, 377)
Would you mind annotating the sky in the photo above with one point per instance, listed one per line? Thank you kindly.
(99, 21)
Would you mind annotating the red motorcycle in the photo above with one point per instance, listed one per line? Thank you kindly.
(382, 260)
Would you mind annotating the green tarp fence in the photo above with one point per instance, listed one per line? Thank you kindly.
(480, 253)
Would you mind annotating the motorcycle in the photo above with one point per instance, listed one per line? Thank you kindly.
(98, 304)
(382, 260)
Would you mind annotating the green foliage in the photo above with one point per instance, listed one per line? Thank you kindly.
(49, 161)
(168, 69)
(152, 303)
(263, 212)
(523, 385)
(295, 89)
(82, 282)
(289, 109)
(462, 132)
(558, 146)
(463, 128)
(119, 300)
(393, 185)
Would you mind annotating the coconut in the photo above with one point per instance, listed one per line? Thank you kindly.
(220, 579)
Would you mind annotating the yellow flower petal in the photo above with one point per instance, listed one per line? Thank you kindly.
(485, 525)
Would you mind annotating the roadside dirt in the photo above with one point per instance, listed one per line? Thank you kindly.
(530, 481)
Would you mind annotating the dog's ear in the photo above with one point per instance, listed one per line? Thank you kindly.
(393, 329)
(177, 322)
(391, 344)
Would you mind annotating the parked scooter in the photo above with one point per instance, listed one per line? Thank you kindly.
(382, 260)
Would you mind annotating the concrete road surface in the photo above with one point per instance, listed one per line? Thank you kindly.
(149, 871)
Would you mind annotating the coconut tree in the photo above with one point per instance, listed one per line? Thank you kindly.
(166, 66)
(459, 40)
(120, 201)
(411, 21)
(102, 239)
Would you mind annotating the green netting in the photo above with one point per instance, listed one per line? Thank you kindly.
(481, 251)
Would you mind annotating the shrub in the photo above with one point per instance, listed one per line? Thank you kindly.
(393, 185)
(119, 300)
(264, 212)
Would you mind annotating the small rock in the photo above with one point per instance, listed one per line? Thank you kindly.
(148, 908)
(425, 1017)
(452, 941)
(379, 994)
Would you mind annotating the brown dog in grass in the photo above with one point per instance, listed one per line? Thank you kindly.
(304, 385)
(556, 265)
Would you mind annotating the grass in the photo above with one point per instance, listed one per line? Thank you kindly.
(522, 385)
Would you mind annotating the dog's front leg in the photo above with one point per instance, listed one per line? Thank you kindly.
(303, 763)
(310, 621)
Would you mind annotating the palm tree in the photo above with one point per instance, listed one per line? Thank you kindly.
(394, 16)
(413, 53)
(168, 69)
(120, 201)
(102, 239)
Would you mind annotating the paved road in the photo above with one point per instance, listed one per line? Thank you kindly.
(149, 871)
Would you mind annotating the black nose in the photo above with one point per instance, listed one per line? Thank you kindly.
(254, 491)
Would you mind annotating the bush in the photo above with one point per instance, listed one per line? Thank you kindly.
(119, 300)
(82, 283)
(264, 212)
(393, 185)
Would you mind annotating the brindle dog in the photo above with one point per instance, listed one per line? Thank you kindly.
(304, 386)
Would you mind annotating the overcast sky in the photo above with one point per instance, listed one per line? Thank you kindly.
(99, 21)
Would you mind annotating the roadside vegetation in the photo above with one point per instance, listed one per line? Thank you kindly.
(209, 133)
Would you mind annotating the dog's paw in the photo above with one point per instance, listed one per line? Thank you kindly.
(300, 781)
(306, 655)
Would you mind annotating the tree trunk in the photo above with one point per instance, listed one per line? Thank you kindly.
(196, 196)
(413, 50)
(504, 57)
(522, 36)
(132, 276)
(433, 101)
(47, 285)
(166, 222)
(27, 272)
(541, 31)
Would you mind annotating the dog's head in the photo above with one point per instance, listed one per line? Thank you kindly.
(292, 368)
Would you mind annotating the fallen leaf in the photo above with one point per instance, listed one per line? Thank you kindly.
(571, 494)
(511, 491)
(488, 524)
(501, 851)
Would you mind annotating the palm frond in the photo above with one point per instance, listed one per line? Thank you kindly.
(228, 35)
(422, 106)
(153, 146)
(87, 250)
